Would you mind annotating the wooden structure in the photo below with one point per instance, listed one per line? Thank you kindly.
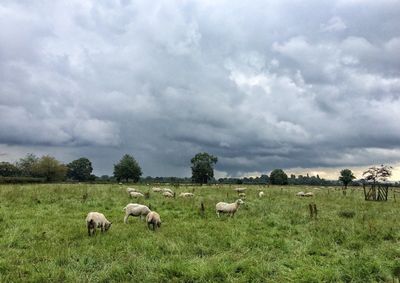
(376, 191)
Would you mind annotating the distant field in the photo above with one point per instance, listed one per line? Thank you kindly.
(43, 236)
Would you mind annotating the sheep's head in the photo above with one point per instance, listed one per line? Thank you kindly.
(239, 201)
(107, 226)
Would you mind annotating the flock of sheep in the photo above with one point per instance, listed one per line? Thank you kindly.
(98, 220)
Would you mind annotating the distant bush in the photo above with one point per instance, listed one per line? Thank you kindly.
(347, 213)
(15, 180)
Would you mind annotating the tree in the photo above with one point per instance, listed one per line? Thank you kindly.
(203, 167)
(127, 168)
(50, 168)
(8, 170)
(278, 177)
(378, 173)
(26, 164)
(346, 176)
(80, 169)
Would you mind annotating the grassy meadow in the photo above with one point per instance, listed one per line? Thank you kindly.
(43, 236)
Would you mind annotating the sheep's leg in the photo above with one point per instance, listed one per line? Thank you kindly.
(218, 213)
(90, 234)
(126, 219)
(102, 228)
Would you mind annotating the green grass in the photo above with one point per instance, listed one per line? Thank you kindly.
(43, 237)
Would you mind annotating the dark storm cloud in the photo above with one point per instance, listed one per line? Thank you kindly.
(261, 85)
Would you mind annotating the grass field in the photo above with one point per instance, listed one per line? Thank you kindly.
(43, 237)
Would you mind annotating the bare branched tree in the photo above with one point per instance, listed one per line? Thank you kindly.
(378, 173)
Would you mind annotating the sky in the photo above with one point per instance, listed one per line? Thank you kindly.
(307, 86)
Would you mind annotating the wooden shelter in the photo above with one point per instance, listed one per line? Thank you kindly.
(376, 191)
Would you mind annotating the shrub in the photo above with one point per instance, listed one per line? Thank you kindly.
(347, 213)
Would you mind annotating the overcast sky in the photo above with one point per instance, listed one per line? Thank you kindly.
(309, 85)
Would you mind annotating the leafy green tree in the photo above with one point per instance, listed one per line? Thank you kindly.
(8, 170)
(278, 177)
(203, 167)
(80, 169)
(26, 164)
(127, 168)
(346, 176)
(50, 168)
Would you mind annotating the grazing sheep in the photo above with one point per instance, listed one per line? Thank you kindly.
(168, 194)
(240, 190)
(134, 209)
(242, 195)
(153, 219)
(156, 190)
(136, 194)
(97, 220)
(129, 190)
(309, 194)
(186, 195)
(230, 208)
(260, 194)
(300, 194)
(166, 190)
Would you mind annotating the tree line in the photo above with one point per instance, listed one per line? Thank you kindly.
(48, 169)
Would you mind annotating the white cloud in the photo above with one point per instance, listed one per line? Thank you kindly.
(334, 24)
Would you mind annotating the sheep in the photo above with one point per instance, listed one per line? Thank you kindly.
(156, 190)
(135, 210)
(186, 195)
(97, 220)
(242, 195)
(300, 194)
(136, 194)
(129, 190)
(166, 190)
(260, 194)
(229, 208)
(240, 190)
(168, 195)
(153, 219)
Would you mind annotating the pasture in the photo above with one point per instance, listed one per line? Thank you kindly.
(43, 236)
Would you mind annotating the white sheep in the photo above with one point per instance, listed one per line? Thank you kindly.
(129, 190)
(230, 208)
(240, 190)
(97, 220)
(166, 190)
(156, 190)
(260, 194)
(153, 218)
(300, 194)
(186, 195)
(168, 194)
(134, 209)
(309, 194)
(136, 194)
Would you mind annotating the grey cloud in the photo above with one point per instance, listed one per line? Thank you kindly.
(261, 85)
